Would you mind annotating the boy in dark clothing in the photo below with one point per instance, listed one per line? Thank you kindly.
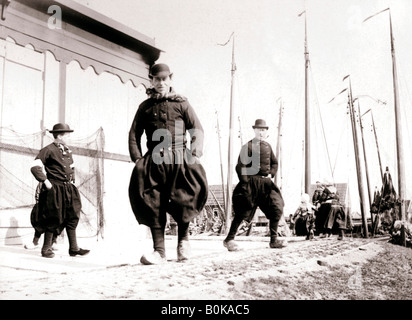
(59, 202)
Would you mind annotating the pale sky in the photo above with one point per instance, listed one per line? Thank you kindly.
(269, 38)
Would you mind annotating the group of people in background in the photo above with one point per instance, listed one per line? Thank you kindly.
(170, 179)
(321, 214)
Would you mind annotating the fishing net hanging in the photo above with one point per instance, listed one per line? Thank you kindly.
(17, 184)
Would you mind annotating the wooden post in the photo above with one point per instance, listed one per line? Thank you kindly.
(43, 105)
(62, 91)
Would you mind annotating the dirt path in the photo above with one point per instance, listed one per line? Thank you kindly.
(319, 269)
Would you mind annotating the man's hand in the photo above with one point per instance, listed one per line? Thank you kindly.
(48, 184)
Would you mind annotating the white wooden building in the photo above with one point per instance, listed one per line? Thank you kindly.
(63, 62)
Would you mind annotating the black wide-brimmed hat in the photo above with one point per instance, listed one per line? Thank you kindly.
(60, 127)
(159, 70)
(260, 123)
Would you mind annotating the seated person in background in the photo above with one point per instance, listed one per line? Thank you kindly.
(330, 212)
(318, 194)
(336, 216)
(303, 220)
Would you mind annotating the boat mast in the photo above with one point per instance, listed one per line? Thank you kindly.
(307, 114)
(357, 159)
(377, 145)
(376, 142)
(278, 176)
(398, 128)
(221, 162)
(399, 139)
(230, 149)
(365, 159)
(240, 131)
(307, 118)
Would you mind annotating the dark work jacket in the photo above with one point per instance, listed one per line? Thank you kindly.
(174, 117)
(256, 158)
(57, 163)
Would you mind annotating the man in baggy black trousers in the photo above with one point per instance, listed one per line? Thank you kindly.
(256, 166)
(169, 178)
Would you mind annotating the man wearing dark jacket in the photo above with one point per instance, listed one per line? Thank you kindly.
(169, 178)
(256, 166)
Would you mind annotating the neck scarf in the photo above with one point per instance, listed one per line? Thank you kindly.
(171, 95)
(63, 148)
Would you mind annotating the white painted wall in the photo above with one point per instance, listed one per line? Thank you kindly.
(92, 101)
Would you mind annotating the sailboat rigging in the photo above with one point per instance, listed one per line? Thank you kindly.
(307, 142)
(398, 130)
(357, 159)
(359, 173)
(376, 141)
(365, 158)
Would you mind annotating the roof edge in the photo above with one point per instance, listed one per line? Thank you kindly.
(99, 24)
(101, 18)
